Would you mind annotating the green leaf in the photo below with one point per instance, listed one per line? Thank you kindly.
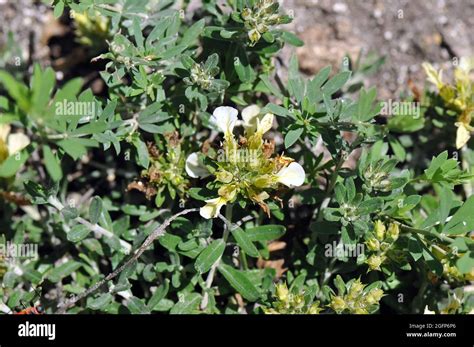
(291, 38)
(63, 270)
(13, 163)
(240, 282)
(436, 164)
(95, 209)
(142, 152)
(209, 256)
(292, 136)
(201, 194)
(245, 243)
(415, 249)
(100, 302)
(137, 306)
(159, 294)
(336, 83)
(137, 33)
(78, 233)
(186, 304)
(463, 220)
(58, 9)
(465, 264)
(52, 164)
(73, 147)
(277, 110)
(193, 32)
(265, 232)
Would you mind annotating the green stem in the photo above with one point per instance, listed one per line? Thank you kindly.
(228, 216)
(431, 233)
(331, 183)
(244, 260)
(212, 272)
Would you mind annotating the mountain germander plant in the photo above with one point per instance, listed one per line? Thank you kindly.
(207, 177)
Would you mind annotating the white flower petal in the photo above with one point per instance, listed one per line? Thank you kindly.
(225, 117)
(194, 167)
(462, 135)
(265, 124)
(16, 142)
(4, 131)
(249, 115)
(212, 207)
(292, 175)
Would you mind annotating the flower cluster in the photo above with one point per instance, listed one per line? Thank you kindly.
(91, 30)
(289, 303)
(260, 18)
(166, 171)
(251, 175)
(458, 97)
(452, 273)
(357, 300)
(201, 76)
(379, 242)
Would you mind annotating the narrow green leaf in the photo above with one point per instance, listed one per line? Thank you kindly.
(52, 164)
(186, 304)
(209, 256)
(292, 136)
(240, 282)
(265, 232)
(78, 233)
(95, 209)
(63, 270)
(245, 242)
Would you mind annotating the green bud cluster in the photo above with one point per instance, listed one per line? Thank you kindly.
(289, 303)
(166, 171)
(260, 18)
(357, 300)
(201, 76)
(379, 242)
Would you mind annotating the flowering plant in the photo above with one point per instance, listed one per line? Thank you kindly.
(152, 194)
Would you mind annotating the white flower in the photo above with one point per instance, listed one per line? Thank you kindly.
(14, 142)
(249, 115)
(225, 118)
(194, 167)
(265, 124)
(212, 207)
(292, 175)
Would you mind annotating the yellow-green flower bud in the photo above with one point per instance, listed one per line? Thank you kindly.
(360, 310)
(374, 262)
(356, 289)
(246, 13)
(373, 244)
(393, 231)
(379, 230)
(224, 176)
(254, 35)
(374, 296)
(282, 292)
(315, 309)
(338, 304)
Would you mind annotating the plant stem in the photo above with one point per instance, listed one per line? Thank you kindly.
(210, 276)
(331, 184)
(93, 227)
(431, 233)
(159, 231)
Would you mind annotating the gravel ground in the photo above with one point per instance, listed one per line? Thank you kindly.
(407, 33)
